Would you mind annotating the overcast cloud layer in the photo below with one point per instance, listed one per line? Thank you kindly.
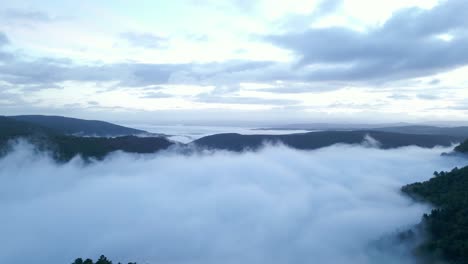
(311, 60)
(274, 206)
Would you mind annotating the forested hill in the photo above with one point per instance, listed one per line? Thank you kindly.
(64, 147)
(462, 148)
(314, 140)
(461, 131)
(12, 128)
(447, 224)
(81, 127)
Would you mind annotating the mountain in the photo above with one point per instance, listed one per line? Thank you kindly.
(332, 126)
(446, 226)
(314, 140)
(74, 126)
(462, 148)
(64, 147)
(13, 128)
(427, 130)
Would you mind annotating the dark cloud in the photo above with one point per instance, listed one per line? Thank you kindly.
(48, 72)
(406, 46)
(145, 40)
(51, 71)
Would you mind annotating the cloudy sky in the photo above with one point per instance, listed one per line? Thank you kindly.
(269, 61)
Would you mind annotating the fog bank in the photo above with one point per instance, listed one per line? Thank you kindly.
(276, 205)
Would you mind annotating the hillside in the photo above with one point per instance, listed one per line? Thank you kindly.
(64, 147)
(314, 140)
(462, 148)
(81, 127)
(447, 224)
(427, 130)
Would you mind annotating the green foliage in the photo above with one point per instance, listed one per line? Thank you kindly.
(78, 261)
(102, 260)
(65, 147)
(447, 225)
(463, 147)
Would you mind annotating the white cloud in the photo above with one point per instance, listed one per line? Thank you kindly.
(274, 206)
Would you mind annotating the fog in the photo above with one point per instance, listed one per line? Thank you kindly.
(276, 205)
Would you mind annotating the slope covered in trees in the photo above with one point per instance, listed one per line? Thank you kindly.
(65, 147)
(12, 128)
(462, 148)
(314, 140)
(427, 130)
(75, 126)
(447, 224)
(102, 260)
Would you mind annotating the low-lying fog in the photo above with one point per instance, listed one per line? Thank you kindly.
(277, 205)
(189, 133)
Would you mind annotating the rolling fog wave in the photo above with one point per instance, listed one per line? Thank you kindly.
(277, 205)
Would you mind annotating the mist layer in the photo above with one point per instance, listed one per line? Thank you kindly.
(276, 205)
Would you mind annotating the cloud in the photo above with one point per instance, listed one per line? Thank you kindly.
(145, 40)
(273, 206)
(4, 39)
(426, 96)
(327, 7)
(156, 95)
(405, 46)
(29, 15)
(50, 72)
(300, 22)
(208, 98)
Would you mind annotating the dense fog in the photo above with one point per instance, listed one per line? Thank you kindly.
(276, 205)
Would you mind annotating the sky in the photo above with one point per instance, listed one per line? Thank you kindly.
(232, 61)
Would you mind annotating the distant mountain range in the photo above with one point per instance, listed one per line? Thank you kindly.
(314, 140)
(52, 134)
(79, 127)
(404, 128)
(461, 131)
(66, 137)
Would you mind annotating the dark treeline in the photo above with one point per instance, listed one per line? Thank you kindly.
(447, 224)
(315, 140)
(462, 148)
(102, 260)
(47, 134)
(75, 126)
(64, 147)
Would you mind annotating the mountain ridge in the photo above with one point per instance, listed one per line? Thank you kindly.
(76, 126)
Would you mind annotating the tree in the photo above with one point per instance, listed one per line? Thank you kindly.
(78, 261)
(103, 260)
